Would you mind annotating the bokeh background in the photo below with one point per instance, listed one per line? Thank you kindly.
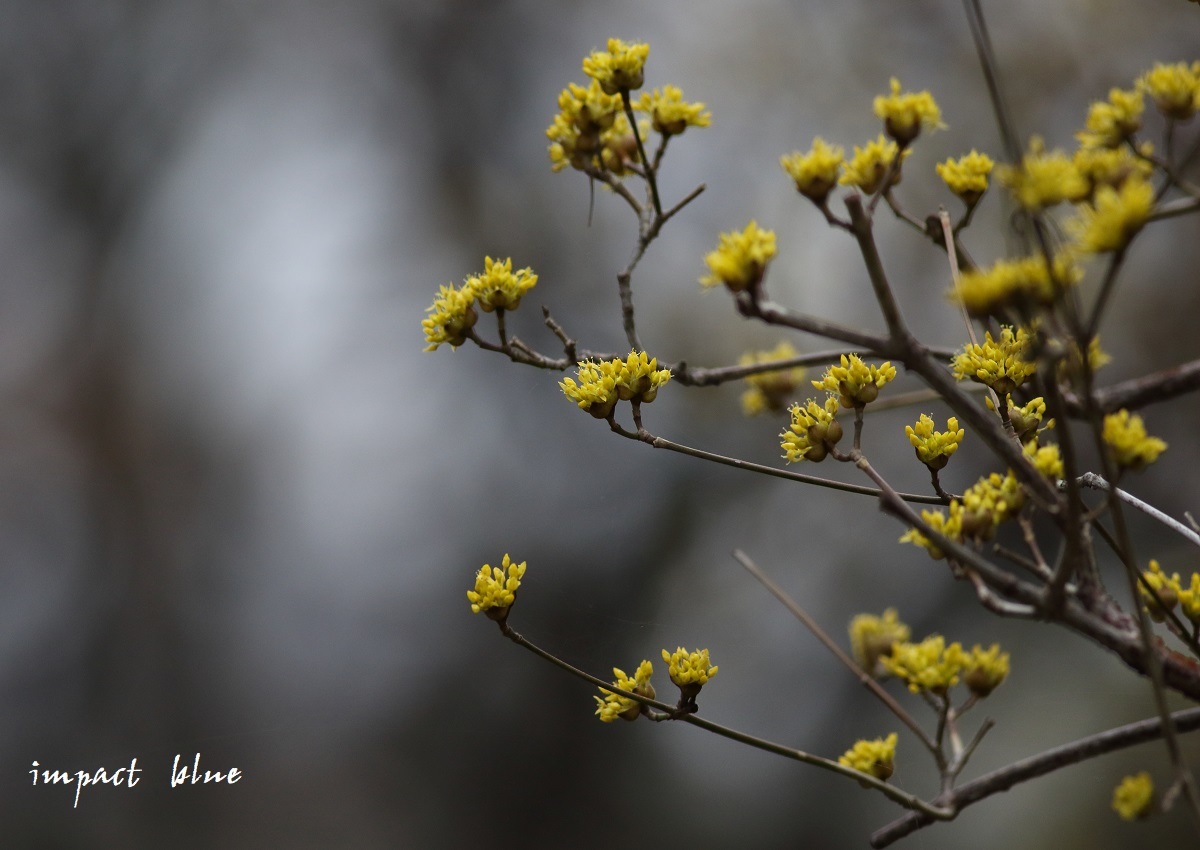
(240, 507)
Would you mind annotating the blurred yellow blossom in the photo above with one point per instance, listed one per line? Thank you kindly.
(1134, 797)
(871, 163)
(905, 114)
(620, 68)
(670, 114)
(872, 637)
(875, 758)
(1130, 446)
(967, 176)
(1043, 179)
(452, 315)
(740, 259)
(1111, 122)
(815, 173)
(929, 666)
(770, 391)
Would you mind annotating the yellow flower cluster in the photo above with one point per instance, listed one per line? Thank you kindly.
(813, 432)
(988, 502)
(1113, 166)
(1167, 591)
(499, 288)
(620, 68)
(1112, 122)
(589, 131)
(934, 448)
(669, 113)
(1000, 364)
(740, 259)
(1113, 217)
(905, 114)
(983, 506)
(875, 758)
(612, 705)
(452, 314)
(1015, 284)
(967, 176)
(690, 671)
(1046, 459)
(1043, 179)
(870, 164)
(1175, 89)
(1124, 434)
(928, 666)
(985, 669)
(1027, 419)
(769, 391)
(603, 383)
(872, 637)
(815, 172)
(1134, 797)
(495, 588)
(856, 383)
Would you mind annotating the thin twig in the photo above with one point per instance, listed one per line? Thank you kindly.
(864, 677)
(1097, 482)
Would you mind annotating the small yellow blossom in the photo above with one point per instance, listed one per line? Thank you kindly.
(640, 378)
(1189, 599)
(967, 176)
(856, 383)
(1000, 364)
(1046, 459)
(815, 172)
(670, 114)
(813, 432)
(905, 114)
(1134, 797)
(949, 525)
(1043, 179)
(984, 670)
(1112, 122)
(602, 383)
(499, 288)
(612, 705)
(596, 391)
(770, 391)
(1164, 592)
(988, 502)
(495, 588)
(875, 758)
(1027, 419)
(620, 68)
(452, 315)
(1125, 435)
(1175, 89)
(690, 671)
(929, 666)
(1015, 284)
(871, 162)
(1114, 217)
(587, 121)
(741, 258)
(934, 448)
(1113, 166)
(872, 637)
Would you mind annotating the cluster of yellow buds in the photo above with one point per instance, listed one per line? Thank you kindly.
(452, 314)
(602, 384)
(856, 383)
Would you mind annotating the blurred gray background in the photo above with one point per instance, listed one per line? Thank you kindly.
(241, 507)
